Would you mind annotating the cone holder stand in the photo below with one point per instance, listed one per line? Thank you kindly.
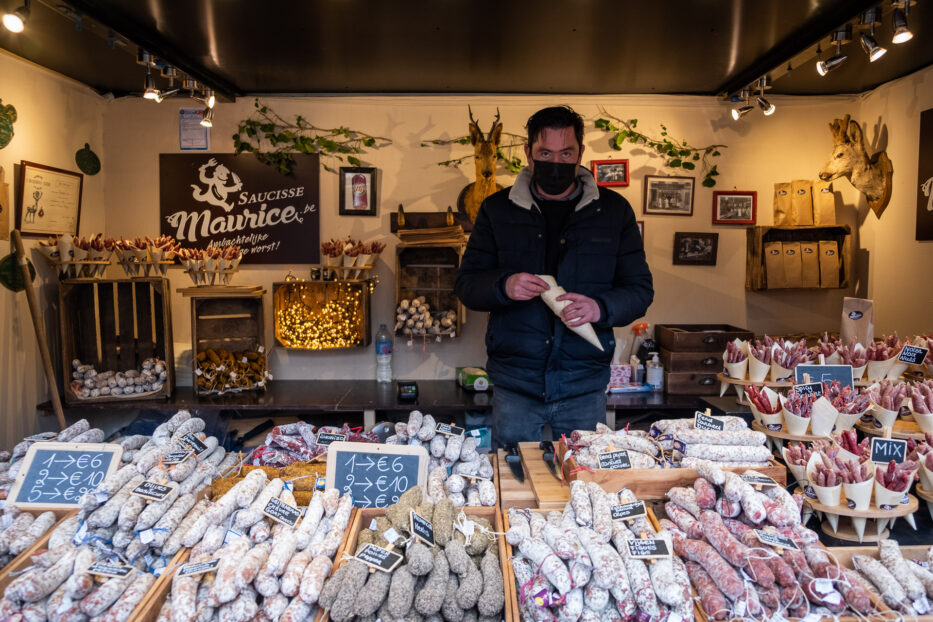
(854, 529)
(902, 429)
(777, 438)
(744, 382)
(927, 496)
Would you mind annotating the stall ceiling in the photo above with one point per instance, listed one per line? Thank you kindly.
(703, 47)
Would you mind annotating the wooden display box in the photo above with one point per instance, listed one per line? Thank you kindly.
(756, 274)
(429, 270)
(315, 302)
(114, 325)
(364, 517)
(698, 337)
(650, 484)
(230, 321)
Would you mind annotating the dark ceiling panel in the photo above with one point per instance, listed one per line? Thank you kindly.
(463, 46)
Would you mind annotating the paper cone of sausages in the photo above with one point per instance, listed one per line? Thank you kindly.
(550, 299)
(926, 477)
(757, 371)
(877, 370)
(834, 359)
(924, 420)
(846, 421)
(822, 417)
(827, 495)
(781, 374)
(889, 499)
(794, 424)
(858, 372)
(858, 495)
(799, 471)
(734, 370)
(771, 421)
(884, 418)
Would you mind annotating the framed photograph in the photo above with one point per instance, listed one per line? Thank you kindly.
(695, 249)
(671, 196)
(735, 207)
(357, 191)
(49, 200)
(641, 229)
(610, 172)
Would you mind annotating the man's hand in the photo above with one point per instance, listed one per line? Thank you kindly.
(582, 309)
(525, 286)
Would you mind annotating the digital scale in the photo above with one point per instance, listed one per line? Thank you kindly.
(407, 391)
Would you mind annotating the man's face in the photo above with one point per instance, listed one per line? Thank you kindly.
(554, 145)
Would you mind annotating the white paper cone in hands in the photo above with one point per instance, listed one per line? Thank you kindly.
(550, 299)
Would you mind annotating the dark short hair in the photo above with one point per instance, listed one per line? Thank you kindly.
(555, 117)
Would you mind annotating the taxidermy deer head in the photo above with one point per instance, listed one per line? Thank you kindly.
(485, 148)
(870, 175)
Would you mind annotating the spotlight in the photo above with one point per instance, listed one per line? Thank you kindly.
(16, 21)
(871, 47)
(151, 92)
(210, 100)
(841, 35)
(740, 111)
(162, 95)
(902, 33)
(208, 119)
(766, 107)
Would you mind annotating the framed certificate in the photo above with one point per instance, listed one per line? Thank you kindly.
(49, 200)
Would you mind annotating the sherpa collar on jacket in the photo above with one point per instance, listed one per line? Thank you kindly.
(520, 193)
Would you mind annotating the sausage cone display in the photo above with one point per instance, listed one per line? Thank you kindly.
(550, 299)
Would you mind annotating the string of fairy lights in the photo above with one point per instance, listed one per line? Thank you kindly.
(320, 316)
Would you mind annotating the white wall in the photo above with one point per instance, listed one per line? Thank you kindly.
(56, 116)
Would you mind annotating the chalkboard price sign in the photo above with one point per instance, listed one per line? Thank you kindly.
(825, 373)
(57, 475)
(176, 457)
(759, 480)
(379, 558)
(191, 441)
(376, 475)
(196, 568)
(912, 355)
(282, 512)
(109, 570)
(648, 548)
(629, 511)
(449, 430)
(773, 539)
(702, 421)
(153, 491)
(810, 388)
(615, 460)
(888, 449)
(422, 529)
(326, 438)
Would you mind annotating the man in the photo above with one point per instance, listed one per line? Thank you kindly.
(555, 220)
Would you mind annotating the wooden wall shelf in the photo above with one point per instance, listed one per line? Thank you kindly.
(756, 276)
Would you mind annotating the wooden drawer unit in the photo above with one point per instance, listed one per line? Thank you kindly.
(698, 337)
(115, 325)
(703, 362)
(691, 383)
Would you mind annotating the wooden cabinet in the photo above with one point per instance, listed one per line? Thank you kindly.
(798, 257)
(429, 270)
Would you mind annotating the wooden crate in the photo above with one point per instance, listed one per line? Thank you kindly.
(756, 278)
(365, 516)
(23, 560)
(116, 324)
(698, 337)
(651, 483)
(429, 270)
(231, 321)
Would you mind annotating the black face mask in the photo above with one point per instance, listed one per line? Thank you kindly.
(554, 178)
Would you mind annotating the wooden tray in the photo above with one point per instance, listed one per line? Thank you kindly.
(513, 494)
(549, 492)
(781, 435)
(23, 561)
(365, 515)
(649, 484)
(902, 429)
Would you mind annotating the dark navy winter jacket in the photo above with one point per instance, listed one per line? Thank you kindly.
(601, 256)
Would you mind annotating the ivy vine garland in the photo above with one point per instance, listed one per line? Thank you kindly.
(676, 152)
(274, 140)
(505, 154)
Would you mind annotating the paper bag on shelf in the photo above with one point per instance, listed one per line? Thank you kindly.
(550, 299)
(783, 207)
(802, 200)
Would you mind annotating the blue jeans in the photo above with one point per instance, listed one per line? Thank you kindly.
(519, 417)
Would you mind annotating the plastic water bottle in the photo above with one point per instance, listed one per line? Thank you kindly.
(383, 354)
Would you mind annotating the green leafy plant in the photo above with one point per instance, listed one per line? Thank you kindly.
(274, 140)
(677, 153)
(508, 155)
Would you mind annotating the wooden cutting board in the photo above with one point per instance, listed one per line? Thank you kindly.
(513, 494)
(5, 207)
(549, 492)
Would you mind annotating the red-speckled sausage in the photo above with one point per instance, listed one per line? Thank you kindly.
(723, 574)
(712, 599)
(706, 494)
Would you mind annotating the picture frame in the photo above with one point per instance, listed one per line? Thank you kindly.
(735, 207)
(610, 173)
(668, 196)
(357, 191)
(48, 201)
(695, 248)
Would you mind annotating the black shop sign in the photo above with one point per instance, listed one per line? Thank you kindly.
(224, 200)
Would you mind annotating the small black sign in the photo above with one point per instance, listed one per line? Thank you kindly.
(887, 449)
(912, 355)
(176, 457)
(812, 388)
(191, 441)
(109, 570)
(379, 558)
(615, 460)
(448, 429)
(758, 480)
(773, 539)
(629, 511)
(152, 491)
(825, 373)
(282, 512)
(422, 529)
(702, 421)
(326, 438)
(648, 548)
(198, 568)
